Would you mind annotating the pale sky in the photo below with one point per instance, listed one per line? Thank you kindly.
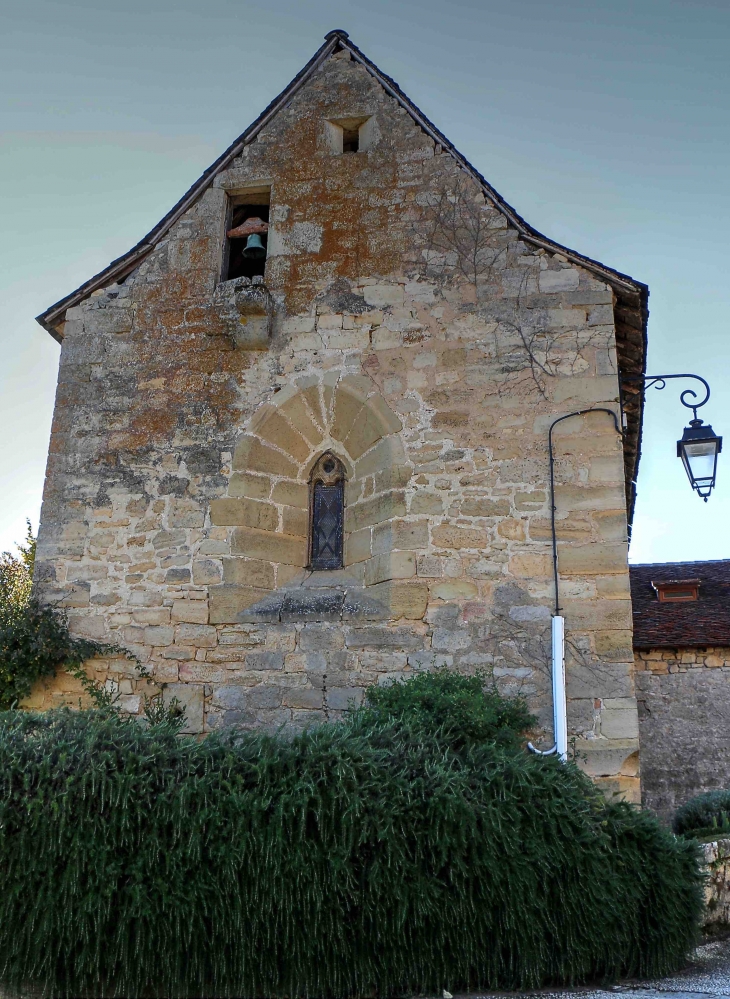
(606, 126)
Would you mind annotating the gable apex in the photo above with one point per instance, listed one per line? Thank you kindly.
(336, 40)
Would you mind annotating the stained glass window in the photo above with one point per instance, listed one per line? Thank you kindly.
(327, 513)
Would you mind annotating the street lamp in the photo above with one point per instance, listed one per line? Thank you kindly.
(698, 450)
(700, 445)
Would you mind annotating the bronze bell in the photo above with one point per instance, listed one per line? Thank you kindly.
(254, 248)
(252, 229)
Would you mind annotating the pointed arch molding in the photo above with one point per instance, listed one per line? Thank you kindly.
(269, 490)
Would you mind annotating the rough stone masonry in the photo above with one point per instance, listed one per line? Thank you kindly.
(408, 322)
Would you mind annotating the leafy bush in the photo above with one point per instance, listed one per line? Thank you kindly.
(706, 815)
(34, 638)
(369, 856)
(452, 706)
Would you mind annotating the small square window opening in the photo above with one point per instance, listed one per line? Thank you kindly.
(350, 140)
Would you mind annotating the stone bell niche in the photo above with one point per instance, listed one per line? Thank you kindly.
(324, 456)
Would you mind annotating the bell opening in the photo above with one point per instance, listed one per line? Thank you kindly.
(246, 257)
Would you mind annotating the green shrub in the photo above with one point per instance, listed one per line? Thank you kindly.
(706, 815)
(34, 638)
(454, 707)
(369, 856)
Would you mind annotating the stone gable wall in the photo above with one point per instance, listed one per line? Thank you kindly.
(403, 325)
(682, 692)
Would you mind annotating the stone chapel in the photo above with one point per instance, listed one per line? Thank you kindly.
(301, 434)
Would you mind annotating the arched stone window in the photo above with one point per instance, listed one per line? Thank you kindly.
(327, 513)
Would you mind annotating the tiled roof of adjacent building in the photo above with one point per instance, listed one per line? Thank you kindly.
(705, 621)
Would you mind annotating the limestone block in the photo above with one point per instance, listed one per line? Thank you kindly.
(446, 640)
(302, 697)
(151, 615)
(619, 718)
(450, 536)
(601, 315)
(533, 500)
(514, 530)
(350, 397)
(394, 477)
(358, 546)
(382, 638)
(252, 486)
(341, 698)
(383, 295)
(386, 454)
(158, 636)
(185, 513)
(295, 522)
(615, 586)
(603, 758)
(260, 661)
(311, 391)
(484, 507)
(566, 279)
(245, 312)
(593, 498)
(292, 494)
(598, 615)
(565, 318)
(190, 611)
(273, 429)
(528, 565)
(87, 627)
(252, 455)
(316, 638)
(403, 599)
(614, 645)
(526, 613)
(426, 501)
(454, 589)
(191, 698)
(392, 565)
(606, 469)
(374, 421)
(249, 572)
(200, 636)
(611, 525)
(593, 559)
(297, 412)
(228, 601)
(406, 535)
(375, 510)
(244, 512)
(601, 388)
(269, 547)
(594, 679)
(207, 570)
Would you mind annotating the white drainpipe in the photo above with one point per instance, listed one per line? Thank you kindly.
(560, 710)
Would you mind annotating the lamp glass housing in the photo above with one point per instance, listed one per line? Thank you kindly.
(698, 450)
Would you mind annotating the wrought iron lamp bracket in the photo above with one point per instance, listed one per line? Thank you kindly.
(660, 382)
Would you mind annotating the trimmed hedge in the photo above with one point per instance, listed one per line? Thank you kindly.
(380, 855)
(706, 815)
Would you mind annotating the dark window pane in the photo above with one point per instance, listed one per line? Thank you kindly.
(327, 525)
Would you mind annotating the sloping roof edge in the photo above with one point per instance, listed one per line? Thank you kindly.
(632, 295)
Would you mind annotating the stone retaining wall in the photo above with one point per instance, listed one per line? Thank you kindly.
(684, 722)
(717, 890)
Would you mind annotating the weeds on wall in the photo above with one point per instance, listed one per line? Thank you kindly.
(35, 640)
(397, 852)
(707, 815)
